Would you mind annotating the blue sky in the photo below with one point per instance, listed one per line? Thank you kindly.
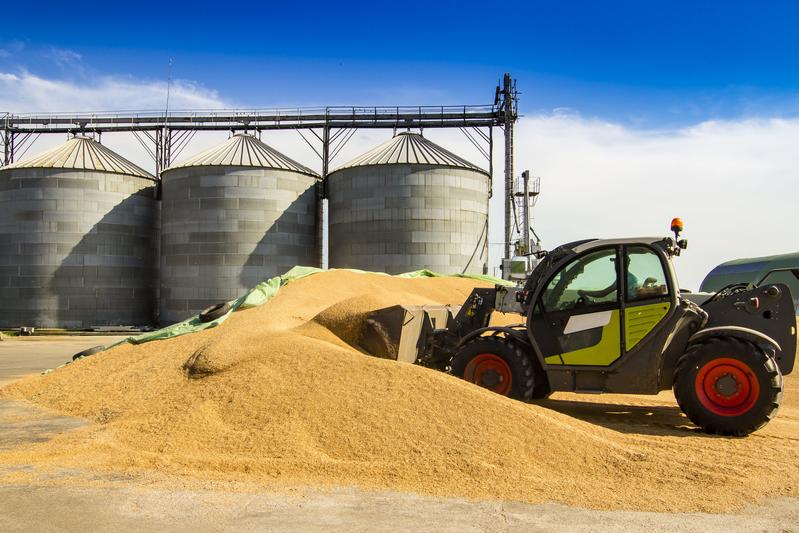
(645, 64)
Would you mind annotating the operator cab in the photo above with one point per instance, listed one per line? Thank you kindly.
(596, 300)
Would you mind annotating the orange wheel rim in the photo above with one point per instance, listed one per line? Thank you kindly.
(727, 387)
(489, 371)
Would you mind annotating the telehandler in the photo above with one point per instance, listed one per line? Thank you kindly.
(607, 316)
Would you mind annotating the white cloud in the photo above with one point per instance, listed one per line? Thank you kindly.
(734, 182)
(12, 48)
(27, 92)
(63, 58)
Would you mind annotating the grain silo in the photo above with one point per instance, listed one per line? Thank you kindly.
(232, 216)
(406, 205)
(78, 231)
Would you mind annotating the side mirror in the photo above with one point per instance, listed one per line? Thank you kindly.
(683, 243)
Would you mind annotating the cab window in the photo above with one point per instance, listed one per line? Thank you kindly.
(646, 278)
(587, 281)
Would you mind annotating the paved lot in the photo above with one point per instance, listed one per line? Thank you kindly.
(20, 356)
(125, 505)
(137, 509)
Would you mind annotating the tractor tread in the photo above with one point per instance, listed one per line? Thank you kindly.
(771, 386)
(520, 363)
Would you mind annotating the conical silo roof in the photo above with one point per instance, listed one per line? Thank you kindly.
(82, 153)
(408, 148)
(243, 150)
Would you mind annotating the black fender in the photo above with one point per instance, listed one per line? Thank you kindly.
(764, 315)
(737, 332)
(516, 333)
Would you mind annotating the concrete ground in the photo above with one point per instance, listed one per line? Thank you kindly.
(26, 508)
(125, 505)
(20, 356)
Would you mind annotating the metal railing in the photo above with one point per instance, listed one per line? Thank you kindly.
(222, 119)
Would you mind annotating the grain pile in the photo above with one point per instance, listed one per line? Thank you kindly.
(277, 396)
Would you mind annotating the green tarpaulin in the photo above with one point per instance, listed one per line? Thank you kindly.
(263, 292)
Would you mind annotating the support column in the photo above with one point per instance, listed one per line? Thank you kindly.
(321, 196)
(487, 263)
(509, 109)
(159, 152)
(163, 150)
(167, 153)
(8, 146)
(526, 217)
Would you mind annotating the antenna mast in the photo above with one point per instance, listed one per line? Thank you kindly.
(168, 87)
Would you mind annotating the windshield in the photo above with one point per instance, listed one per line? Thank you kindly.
(590, 280)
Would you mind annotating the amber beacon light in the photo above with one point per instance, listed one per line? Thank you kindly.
(676, 226)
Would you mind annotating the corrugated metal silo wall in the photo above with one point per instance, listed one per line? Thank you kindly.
(399, 218)
(226, 229)
(79, 249)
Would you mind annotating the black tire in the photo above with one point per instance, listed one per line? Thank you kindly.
(480, 361)
(752, 388)
(88, 352)
(213, 312)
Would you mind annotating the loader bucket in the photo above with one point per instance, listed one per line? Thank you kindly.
(402, 332)
(381, 335)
